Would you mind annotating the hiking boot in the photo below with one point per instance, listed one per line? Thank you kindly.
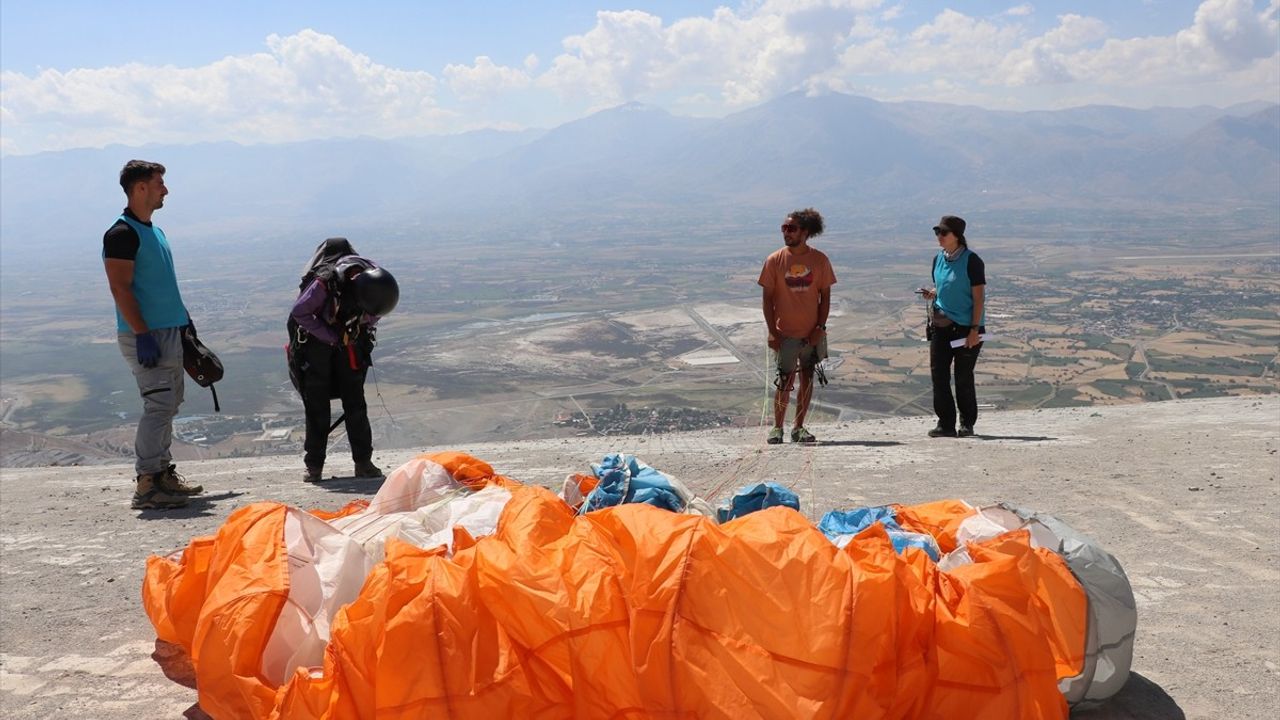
(775, 436)
(801, 435)
(965, 431)
(174, 484)
(939, 431)
(151, 495)
(368, 470)
(312, 474)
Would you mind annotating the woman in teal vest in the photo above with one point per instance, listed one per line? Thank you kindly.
(957, 299)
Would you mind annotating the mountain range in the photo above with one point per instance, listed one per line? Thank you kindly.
(639, 164)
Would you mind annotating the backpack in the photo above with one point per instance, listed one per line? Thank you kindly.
(331, 260)
(325, 259)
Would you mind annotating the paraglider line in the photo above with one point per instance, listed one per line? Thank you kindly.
(378, 390)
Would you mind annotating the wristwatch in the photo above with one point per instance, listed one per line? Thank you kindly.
(821, 327)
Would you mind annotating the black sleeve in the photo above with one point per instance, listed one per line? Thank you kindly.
(120, 242)
(977, 271)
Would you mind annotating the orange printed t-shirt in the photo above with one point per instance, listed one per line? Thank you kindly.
(795, 281)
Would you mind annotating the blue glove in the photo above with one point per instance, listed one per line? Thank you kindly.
(148, 350)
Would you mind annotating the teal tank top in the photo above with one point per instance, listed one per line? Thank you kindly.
(955, 294)
(155, 281)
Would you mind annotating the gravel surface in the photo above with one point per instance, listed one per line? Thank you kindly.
(1183, 493)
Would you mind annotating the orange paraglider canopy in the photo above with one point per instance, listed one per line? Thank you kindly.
(486, 598)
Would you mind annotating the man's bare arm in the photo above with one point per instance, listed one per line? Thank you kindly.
(770, 319)
(120, 278)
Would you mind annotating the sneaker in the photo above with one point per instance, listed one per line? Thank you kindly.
(312, 474)
(801, 435)
(775, 436)
(151, 495)
(939, 431)
(368, 470)
(174, 484)
(965, 431)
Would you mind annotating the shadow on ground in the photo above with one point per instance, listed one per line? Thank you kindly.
(197, 506)
(351, 485)
(1139, 699)
(858, 443)
(1023, 438)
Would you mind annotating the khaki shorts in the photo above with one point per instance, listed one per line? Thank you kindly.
(797, 353)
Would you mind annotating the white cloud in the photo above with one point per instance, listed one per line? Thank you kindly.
(1230, 31)
(308, 85)
(748, 55)
(1217, 59)
(1225, 40)
(956, 45)
(788, 7)
(724, 53)
(1074, 31)
(1045, 59)
(614, 61)
(486, 78)
(311, 85)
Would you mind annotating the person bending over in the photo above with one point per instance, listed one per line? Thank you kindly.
(336, 314)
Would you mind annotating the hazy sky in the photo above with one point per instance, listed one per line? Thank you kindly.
(80, 73)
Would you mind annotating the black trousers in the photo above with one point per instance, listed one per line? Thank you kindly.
(941, 357)
(327, 373)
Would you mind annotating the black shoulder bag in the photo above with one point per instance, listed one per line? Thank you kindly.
(201, 364)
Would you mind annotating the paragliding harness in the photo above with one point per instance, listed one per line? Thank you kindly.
(333, 259)
(812, 364)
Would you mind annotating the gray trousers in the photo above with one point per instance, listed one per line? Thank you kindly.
(161, 391)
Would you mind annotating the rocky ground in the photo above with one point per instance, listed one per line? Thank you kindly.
(1184, 493)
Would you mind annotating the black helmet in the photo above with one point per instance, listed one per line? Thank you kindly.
(377, 292)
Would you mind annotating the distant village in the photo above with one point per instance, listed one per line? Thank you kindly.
(257, 434)
(623, 420)
(270, 433)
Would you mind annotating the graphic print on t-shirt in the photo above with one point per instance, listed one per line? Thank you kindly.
(799, 277)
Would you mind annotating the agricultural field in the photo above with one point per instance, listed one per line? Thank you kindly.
(516, 337)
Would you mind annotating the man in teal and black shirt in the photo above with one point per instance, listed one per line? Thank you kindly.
(150, 316)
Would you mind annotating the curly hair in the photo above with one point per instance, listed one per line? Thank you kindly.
(809, 219)
(136, 171)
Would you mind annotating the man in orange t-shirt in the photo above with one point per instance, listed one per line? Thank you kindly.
(797, 282)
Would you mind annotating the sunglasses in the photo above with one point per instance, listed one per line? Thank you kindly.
(940, 232)
(790, 227)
